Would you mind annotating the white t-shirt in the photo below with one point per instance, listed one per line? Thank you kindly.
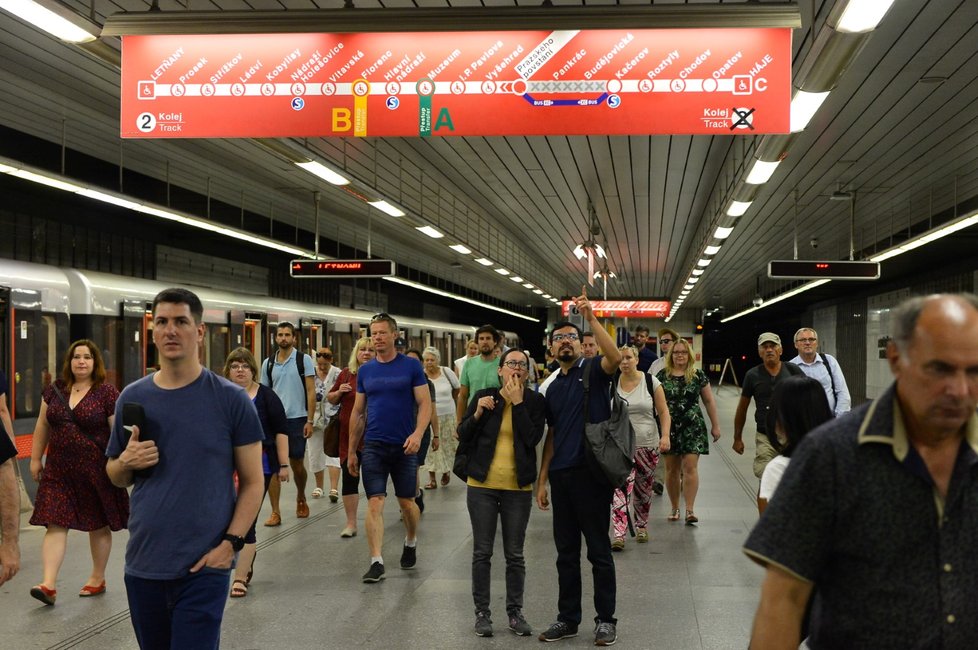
(446, 382)
(641, 413)
(772, 476)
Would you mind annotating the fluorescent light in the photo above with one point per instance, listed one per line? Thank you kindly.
(722, 233)
(501, 271)
(599, 251)
(711, 250)
(45, 180)
(322, 171)
(439, 292)
(109, 198)
(459, 248)
(693, 280)
(784, 296)
(862, 15)
(547, 296)
(539, 292)
(515, 278)
(431, 232)
(555, 301)
(804, 105)
(527, 285)
(698, 271)
(484, 262)
(53, 18)
(761, 172)
(893, 252)
(688, 287)
(387, 208)
(965, 221)
(738, 208)
(704, 262)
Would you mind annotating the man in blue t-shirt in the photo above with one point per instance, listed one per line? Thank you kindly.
(185, 523)
(388, 388)
(581, 498)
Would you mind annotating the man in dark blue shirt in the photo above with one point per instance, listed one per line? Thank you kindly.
(581, 498)
(646, 353)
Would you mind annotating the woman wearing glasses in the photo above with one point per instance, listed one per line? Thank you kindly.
(684, 385)
(241, 368)
(497, 439)
(344, 392)
(318, 461)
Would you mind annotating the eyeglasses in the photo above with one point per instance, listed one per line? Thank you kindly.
(557, 338)
(805, 340)
(665, 341)
(516, 365)
(235, 367)
(678, 352)
(324, 355)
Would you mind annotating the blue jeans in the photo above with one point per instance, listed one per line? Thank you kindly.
(582, 506)
(486, 507)
(180, 614)
(378, 460)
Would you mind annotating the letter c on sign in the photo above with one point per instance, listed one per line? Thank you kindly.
(760, 84)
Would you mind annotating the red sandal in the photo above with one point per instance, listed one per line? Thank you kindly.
(43, 594)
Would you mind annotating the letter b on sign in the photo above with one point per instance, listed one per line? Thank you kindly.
(341, 120)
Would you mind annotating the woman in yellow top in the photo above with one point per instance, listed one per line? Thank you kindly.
(497, 449)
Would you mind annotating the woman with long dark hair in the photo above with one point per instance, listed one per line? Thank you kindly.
(74, 492)
(797, 406)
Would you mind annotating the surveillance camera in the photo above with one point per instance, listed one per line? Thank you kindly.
(814, 242)
(758, 301)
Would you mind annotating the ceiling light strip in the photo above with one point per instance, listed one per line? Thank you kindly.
(453, 296)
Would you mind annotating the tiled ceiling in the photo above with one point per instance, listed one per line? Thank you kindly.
(906, 147)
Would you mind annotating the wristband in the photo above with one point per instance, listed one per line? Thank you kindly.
(283, 466)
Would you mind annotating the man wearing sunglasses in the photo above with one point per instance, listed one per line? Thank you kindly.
(666, 338)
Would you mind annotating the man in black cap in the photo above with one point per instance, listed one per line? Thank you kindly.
(400, 345)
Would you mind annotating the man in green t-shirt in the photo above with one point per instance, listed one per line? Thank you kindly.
(481, 371)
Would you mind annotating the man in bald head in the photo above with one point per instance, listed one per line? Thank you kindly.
(877, 513)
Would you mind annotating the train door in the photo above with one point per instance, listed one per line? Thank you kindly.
(252, 335)
(151, 360)
(129, 363)
(29, 352)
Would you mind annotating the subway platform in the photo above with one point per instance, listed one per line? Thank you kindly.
(689, 588)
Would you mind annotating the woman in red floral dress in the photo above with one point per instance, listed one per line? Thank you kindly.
(74, 492)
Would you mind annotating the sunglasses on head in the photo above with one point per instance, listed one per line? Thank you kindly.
(324, 355)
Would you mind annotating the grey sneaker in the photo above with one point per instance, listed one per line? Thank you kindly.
(483, 625)
(409, 557)
(375, 573)
(557, 631)
(518, 624)
(605, 634)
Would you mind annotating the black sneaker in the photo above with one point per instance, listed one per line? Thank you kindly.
(375, 573)
(483, 624)
(419, 500)
(558, 631)
(518, 624)
(409, 557)
(605, 634)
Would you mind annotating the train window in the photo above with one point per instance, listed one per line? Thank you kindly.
(29, 358)
(218, 342)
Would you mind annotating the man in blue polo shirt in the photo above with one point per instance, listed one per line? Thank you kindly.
(581, 497)
(388, 388)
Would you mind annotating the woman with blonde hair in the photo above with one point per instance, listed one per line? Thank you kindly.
(74, 492)
(684, 385)
(344, 392)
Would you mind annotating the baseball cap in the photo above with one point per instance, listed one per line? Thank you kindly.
(768, 336)
(400, 343)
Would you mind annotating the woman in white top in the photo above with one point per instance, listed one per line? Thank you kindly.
(471, 350)
(798, 405)
(442, 457)
(645, 399)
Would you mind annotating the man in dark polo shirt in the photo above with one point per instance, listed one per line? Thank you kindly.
(759, 384)
(877, 514)
(582, 498)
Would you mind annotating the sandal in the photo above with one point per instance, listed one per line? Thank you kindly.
(445, 478)
(317, 493)
(431, 485)
(690, 518)
(674, 515)
(334, 496)
(239, 589)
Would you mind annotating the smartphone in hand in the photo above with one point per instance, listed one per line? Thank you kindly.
(134, 415)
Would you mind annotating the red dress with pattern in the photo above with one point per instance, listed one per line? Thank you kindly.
(75, 491)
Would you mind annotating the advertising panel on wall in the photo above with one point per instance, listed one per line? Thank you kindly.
(622, 308)
(566, 82)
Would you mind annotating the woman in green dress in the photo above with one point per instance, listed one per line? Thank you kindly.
(684, 385)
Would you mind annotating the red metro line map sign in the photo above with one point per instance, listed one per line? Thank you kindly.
(565, 82)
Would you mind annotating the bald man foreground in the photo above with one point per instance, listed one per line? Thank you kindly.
(877, 514)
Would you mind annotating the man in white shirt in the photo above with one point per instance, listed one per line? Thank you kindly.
(823, 367)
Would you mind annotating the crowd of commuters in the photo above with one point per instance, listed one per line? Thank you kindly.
(403, 417)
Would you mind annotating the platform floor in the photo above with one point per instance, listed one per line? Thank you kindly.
(689, 588)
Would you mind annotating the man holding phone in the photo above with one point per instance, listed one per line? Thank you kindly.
(198, 430)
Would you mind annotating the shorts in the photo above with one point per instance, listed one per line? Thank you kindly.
(297, 441)
(351, 483)
(378, 460)
(425, 443)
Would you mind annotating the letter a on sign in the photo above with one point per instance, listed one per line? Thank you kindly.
(444, 119)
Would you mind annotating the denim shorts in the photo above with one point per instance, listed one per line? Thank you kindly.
(297, 441)
(380, 460)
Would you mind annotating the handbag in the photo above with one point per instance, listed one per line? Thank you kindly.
(331, 437)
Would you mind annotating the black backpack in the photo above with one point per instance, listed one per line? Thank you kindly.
(300, 365)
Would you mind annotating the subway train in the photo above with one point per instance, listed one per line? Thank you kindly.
(43, 308)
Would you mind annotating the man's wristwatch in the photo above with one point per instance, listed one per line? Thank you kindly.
(237, 543)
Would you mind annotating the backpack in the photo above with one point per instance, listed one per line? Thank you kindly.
(300, 365)
(610, 444)
(835, 393)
